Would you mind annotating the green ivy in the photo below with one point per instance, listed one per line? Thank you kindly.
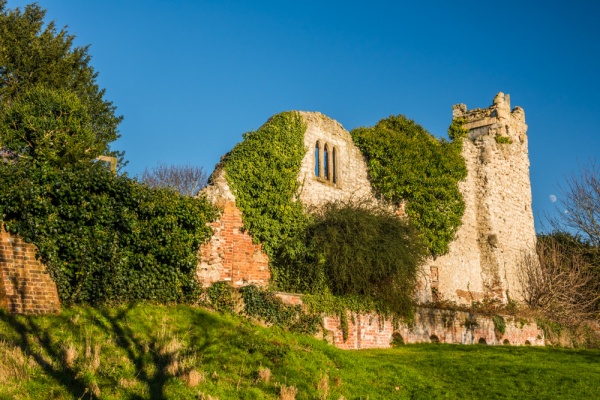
(503, 140)
(262, 172)
(407, 164)
(499, 325)
(262, 304)
(106, 238)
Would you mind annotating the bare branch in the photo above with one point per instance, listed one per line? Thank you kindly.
(185, 179)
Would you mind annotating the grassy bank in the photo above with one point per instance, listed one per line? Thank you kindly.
(180, 352)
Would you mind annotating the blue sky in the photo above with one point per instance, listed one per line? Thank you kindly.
(190, 77)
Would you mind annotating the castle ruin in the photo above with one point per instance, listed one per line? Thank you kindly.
(497, 227)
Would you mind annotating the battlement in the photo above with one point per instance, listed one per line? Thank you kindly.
(496, 120)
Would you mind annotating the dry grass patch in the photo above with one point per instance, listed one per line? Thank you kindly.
(13, 363)
(323, 387)
(264, 374)
(70, 354)
(127, 383)
(194, 377)
(287, 392)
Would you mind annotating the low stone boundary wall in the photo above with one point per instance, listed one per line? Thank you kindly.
(25, 286)
(368, 331)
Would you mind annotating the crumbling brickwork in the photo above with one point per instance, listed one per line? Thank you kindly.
(368, 331)
(25, 286)
(230, 255)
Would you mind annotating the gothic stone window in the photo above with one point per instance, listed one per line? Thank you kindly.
(326, 163)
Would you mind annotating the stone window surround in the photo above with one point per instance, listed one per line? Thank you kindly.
(321, 149)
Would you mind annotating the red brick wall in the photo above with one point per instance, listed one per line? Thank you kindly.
(368, 331)
(25, 286)
(230, 254)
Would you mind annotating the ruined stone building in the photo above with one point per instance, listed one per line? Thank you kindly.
(497, 226)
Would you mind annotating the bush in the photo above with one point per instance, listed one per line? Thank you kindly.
(356, 250)
(106, 238)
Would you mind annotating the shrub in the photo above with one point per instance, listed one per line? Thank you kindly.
(356, 250)
(106, 238)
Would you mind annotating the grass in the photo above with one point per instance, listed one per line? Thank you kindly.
(156, 352)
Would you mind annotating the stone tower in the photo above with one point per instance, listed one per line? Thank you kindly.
(497, 228)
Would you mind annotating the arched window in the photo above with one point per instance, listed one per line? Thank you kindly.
(317, 159)
(334, 162)
(326, 162)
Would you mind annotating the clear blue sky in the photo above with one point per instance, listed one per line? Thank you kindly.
(190, 77)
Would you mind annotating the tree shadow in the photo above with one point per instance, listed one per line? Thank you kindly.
(145, 348)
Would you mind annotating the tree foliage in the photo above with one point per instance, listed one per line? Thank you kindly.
(49, 127)
(407, 164)
(103, 237)
(186, 179)
(34, 55)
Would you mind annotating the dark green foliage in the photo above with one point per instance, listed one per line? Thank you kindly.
(406, 163)
(34, 54)
(50, 127)
(262, 304)
(354, 250)
(106, 238)
(499, 325)
(220, 296)
(262, 171)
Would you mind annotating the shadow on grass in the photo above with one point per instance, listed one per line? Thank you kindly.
(142, 342)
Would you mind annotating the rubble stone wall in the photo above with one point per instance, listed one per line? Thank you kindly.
(351, 181)
(497, 227)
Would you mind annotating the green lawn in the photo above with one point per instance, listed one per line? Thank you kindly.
(157, 352)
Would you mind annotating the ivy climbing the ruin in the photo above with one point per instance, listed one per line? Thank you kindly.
(262, 172)
(407, 164)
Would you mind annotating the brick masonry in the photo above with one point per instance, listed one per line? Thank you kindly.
(230, 254)
(369, 331)
(25, 286)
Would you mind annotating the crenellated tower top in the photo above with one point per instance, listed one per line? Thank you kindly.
(496, 120)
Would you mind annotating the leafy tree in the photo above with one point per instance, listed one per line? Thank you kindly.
(35, 55)
(407, 164)
(188, 180)
(103, 237)
(49, 127)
